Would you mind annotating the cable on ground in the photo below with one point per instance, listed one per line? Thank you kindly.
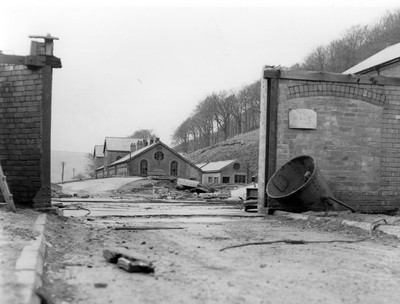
(293, 242)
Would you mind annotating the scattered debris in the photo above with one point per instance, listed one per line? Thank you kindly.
(44, 296)
(127, 260)
(216, 195)
(135, 266)
(100, 285)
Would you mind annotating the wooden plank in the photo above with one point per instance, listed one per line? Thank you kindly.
(6, 191)
(12, 59)
(331, 77)
(135, 266)
(35, 61)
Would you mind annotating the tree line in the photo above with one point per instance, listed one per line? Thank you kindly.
(357, 44)
(225, 114)
(219, 116)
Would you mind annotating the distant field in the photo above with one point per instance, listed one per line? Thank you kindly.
(73, 160)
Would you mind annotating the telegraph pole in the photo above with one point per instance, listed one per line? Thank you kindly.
(62, 171)
(73, 173)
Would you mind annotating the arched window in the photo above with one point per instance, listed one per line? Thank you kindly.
(174, 168)
(143, 167)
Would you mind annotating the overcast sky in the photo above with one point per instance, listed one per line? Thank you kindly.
(130, 65)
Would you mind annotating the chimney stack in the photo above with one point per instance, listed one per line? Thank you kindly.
(151, 140)
(157, 139)
(133, 147)
(139, 144)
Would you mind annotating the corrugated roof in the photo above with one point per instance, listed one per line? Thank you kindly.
(384, 56)
(120, 143)
(98, 151)
(217, 166)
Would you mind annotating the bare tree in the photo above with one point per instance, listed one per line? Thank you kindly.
(356, 44)
(142, 133)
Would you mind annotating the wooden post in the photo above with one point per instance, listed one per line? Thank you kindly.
(6, 191)
(268, 137)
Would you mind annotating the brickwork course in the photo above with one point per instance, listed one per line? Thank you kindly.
(20, 130)
(24, 131)
(355, 142)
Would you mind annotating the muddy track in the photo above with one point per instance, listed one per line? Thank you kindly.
(190, 268)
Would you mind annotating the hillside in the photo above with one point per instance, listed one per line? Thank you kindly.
(73, 160)
(243, 147)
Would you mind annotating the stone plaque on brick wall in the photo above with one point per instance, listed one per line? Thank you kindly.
(302, 119)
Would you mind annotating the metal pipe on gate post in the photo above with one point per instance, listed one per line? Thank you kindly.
(268, 133)
(262, 155)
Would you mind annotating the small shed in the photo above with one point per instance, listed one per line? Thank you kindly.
(98, 156)
(99, 172)
(225, 172)
(115, 148)
(385, 63)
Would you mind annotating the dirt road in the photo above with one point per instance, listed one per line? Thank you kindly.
(191, 268)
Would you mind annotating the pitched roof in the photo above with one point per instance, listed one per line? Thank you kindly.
(201, 165)
(217, 166)
(98, 151)
(119, 143)
(144, 149)
(384, 57)
(133, 154)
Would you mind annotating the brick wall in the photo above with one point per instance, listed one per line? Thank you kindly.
(185, 169)
(356, 141)
(20, 130)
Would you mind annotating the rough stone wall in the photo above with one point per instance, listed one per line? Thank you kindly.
(20, 130)
(355, 143)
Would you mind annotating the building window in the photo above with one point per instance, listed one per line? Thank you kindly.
(174, 168)
(240, 179)
(225, 179)
(236, 166)
(216, 180)
(143, 167)
(158, 155)
(210, 179)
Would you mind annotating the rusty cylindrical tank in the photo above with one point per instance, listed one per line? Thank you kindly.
(299, 186)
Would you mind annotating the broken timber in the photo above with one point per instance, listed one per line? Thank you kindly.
(127, 260)
(113, 254)
(5, 191)
(136, 266)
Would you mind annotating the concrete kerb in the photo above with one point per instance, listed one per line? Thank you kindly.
(29, 266)
(387, 229)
